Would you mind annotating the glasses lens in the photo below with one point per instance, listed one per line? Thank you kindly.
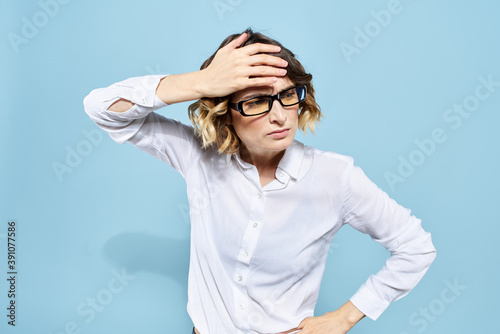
(289, 97)
(256, 106)
(293, 96)
(262, 104)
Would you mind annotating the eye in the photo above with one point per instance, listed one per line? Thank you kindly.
(255, 102)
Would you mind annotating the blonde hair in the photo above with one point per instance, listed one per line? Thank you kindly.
(211, 116)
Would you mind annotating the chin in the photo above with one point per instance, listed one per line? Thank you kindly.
(282, 144)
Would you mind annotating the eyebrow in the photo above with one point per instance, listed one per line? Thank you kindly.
(250, 96)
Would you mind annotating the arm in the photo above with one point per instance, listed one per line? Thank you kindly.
(231, 70)
(370, 210)
(125, 109)
(171, 89)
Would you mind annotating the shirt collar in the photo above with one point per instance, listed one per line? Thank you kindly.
(290, 163)
(292, 159)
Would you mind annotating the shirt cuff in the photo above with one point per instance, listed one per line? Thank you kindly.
(158, 103)
(368, 303)
(142, 92)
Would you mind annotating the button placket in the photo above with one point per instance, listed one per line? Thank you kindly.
(247, 246)
(249, 242)
(240, 302)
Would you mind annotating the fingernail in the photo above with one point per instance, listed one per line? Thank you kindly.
(284, 62)
(283, 71)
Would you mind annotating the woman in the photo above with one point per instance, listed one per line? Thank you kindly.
(263, 207)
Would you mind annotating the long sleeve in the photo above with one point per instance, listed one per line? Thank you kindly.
(370, 210)
(166, 139)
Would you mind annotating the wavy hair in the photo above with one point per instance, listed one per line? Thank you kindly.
(210, 116)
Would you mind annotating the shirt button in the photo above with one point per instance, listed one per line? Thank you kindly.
(281, 173)
(240, 278)
(246, 254)
(255, 224)
(241, 306)
(259, 195)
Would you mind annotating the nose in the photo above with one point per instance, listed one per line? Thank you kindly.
(277, 114)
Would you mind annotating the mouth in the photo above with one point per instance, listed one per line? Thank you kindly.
(281, 133)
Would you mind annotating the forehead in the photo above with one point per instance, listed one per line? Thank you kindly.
(278, 86)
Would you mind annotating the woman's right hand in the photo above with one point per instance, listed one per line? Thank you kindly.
(234, 69)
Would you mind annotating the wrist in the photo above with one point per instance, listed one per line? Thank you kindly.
(350, 313)
(198, 83)
(176, 88)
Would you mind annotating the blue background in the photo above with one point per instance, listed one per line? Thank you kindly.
(119, 210)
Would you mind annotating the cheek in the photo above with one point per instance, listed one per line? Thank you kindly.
(237, 122)
(294, 117)
(244, 127)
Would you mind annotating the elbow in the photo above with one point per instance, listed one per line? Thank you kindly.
(432, 255)
(88, 103)
(431, 248)
(95, 101)
(428, 255)
(421, 251)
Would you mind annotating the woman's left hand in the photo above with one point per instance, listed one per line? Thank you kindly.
(336, 322)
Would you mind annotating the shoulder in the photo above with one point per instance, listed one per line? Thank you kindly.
(328, 159)
(170, 128)
(323, 166)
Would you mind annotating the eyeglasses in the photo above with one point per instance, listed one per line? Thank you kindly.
(262, 104)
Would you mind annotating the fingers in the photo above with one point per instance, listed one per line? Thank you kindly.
(238, 41)
(234, 68)
(252, 48)
(260, 48)
(263, 59)
(265, 71)
(260, 81)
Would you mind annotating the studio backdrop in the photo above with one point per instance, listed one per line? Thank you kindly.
(94, 235)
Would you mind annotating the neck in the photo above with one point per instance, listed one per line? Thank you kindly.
(263, 161)
(266, 164)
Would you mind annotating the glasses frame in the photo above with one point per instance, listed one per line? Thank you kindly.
(239, 105)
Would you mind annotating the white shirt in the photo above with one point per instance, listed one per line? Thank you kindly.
(258, 253)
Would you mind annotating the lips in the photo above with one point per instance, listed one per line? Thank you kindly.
(281, 133)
